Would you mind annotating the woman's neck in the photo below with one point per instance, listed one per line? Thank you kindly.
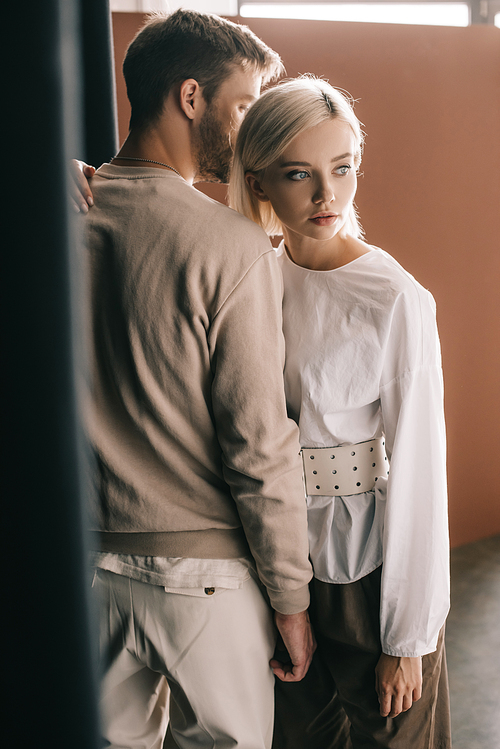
(328, 255)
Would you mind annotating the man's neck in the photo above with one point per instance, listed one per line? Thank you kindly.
(160, 146)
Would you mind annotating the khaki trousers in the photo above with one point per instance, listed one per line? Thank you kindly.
(336, 706)
(212, 650)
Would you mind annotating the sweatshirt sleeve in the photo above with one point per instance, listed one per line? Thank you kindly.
(415, 573)
(259, 443)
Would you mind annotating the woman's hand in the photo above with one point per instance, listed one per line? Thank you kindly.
(398, 684)
(81, 194)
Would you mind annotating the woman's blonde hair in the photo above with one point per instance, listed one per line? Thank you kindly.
(276, 118)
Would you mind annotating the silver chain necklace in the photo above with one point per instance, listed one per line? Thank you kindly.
(150, 161)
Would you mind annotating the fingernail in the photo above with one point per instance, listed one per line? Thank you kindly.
(90, 200)
(84, 208)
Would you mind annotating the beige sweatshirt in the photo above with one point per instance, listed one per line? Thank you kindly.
(195, 455)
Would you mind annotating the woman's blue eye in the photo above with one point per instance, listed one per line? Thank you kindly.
(298, 176)
(343, 170)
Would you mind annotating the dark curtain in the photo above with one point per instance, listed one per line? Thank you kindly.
(101, 133)
(48, 665)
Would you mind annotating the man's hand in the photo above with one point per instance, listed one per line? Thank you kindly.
(81, 195)
(297, 635)
(398, 684)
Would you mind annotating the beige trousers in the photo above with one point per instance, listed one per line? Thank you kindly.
(212, 650)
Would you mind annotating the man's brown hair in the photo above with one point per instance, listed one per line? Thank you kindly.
(186, 44)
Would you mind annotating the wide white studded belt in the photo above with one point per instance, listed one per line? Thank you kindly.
(341, 471)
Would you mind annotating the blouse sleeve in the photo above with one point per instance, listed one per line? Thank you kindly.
(415, 573)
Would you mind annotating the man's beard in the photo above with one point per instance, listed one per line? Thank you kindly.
(214, 154)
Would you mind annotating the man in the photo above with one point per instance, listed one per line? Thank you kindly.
(199, 497)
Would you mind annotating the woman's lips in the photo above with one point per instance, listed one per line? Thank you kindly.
(324, 219)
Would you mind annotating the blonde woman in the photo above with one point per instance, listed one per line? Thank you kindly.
(364, 382)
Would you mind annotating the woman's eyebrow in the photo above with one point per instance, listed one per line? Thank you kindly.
(295, 163)
(286, 164)
(342, 156)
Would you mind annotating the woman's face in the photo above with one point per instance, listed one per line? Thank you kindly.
(312, 185)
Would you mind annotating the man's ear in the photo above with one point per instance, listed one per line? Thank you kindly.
(191, 98)
(255, 187)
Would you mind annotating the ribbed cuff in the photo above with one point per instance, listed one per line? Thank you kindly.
(290, 601)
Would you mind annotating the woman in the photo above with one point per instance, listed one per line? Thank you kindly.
(364, 382)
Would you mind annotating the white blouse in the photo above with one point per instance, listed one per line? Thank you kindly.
(363, 361)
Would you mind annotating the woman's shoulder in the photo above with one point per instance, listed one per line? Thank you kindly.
(400, 279)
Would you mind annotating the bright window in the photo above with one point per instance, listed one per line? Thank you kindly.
(430, 14)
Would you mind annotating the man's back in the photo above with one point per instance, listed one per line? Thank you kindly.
(188, 404)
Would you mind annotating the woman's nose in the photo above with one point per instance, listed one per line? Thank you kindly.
(324, 193)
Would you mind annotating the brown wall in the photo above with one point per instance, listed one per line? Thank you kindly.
(429, 98)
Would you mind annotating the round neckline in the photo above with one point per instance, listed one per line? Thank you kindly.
(147, 170)
(330, 270)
